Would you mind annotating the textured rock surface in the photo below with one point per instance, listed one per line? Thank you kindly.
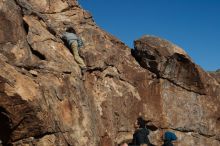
(216, 75)
(46, 101)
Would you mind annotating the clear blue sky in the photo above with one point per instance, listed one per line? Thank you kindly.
(194, 25)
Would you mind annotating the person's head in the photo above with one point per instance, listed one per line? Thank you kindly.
(70, 30)
(140, 122)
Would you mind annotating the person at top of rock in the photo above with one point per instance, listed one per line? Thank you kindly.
(74, 43)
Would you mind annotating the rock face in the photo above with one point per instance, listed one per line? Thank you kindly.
(45, 100)
(216, 75)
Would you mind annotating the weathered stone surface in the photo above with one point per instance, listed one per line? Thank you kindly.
(168, 61)
(185, 88)
(45, 100)
(216, 75)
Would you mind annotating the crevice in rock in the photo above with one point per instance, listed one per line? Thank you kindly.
(45, 134)
(180, 57)
(5, 126)
(67, 72)
(206, 135)
(29, 67)
(218, 122)
(184, 130)
(110, 76)
(62, 11)
(51, 30)
(151, 65)
(152, 127)
(38, 54)
(18, 124)
(189, 90)
(38, 136)
(100, 69)
(26, 27)
(67, 9)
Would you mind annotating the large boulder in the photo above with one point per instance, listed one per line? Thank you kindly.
(170, 62)
(45, 99)
(185, 87)
(216, 75)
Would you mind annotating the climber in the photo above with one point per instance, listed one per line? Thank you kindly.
(168, 138)
(140, 137)
(74, 43)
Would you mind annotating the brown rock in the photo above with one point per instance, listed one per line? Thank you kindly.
(45, 100)
(168, 61)
(216, 75)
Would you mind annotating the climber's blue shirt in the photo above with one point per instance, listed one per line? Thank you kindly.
(71, 37)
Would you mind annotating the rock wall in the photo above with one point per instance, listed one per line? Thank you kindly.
(45, 100)
(216, 75)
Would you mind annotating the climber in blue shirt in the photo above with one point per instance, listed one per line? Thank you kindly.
(74, 42)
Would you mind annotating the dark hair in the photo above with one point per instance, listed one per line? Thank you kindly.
(141, 122)
(71, 30)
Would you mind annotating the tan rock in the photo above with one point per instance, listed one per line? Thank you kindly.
(45, 100)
